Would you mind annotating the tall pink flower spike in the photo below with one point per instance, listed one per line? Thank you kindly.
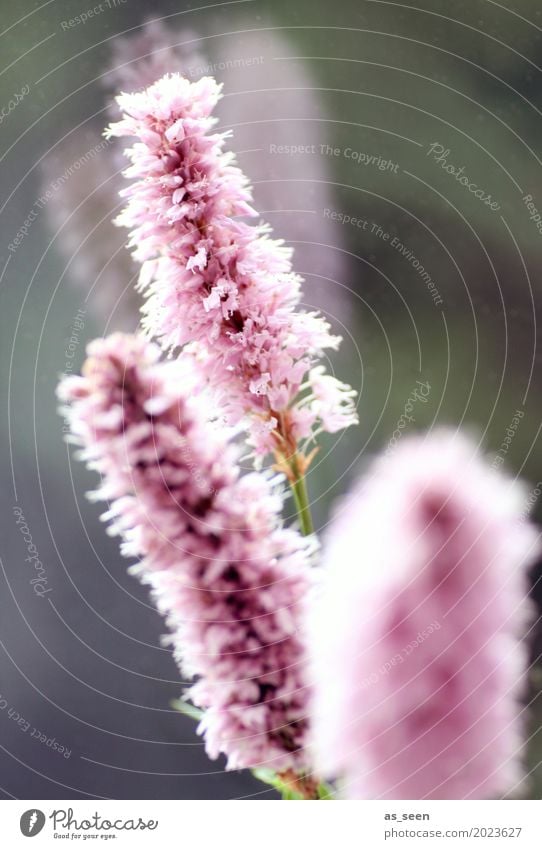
(217, 282)
(231, 582)
(417, 638)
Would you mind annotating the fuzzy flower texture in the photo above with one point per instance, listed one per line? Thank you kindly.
(417, 640)
(217, 282)
(229, 579)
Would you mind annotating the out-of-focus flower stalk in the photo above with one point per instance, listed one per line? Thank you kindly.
(81, 177)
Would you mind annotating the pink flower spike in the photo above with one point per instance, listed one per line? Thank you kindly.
(216, 281)
(231, 582)
(417, 638)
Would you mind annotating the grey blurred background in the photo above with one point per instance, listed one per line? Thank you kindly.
(424, 280)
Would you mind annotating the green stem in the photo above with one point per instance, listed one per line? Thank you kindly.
(301, 498)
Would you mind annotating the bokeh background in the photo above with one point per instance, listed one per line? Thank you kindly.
(343, 114)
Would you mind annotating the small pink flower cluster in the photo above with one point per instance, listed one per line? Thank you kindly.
(417, 640)
(229, 579)
(217, 282)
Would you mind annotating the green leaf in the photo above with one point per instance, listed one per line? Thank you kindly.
(270, 777)
(187, 709)
(325, 791)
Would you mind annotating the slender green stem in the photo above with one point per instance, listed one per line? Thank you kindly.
(301, 498)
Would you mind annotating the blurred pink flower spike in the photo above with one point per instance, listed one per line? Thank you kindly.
(139, 59)
(230, 580)
(417, 639)
(82, 178)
